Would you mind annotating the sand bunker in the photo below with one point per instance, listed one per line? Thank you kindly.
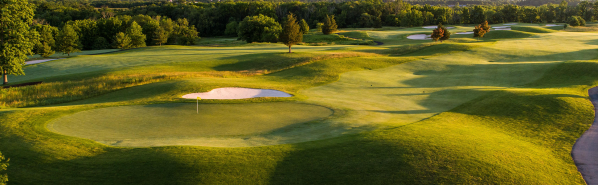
(40, 61)
(463, 33)
(502, 29)
(419, 37)
(510, 24)
(551, 25)
(237, 93)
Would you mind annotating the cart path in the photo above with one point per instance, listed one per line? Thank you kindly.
(585, 150)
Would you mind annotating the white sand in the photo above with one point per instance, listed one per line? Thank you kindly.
(467, 32)
(40, 61)
(237, 93)
(510, 24)
(419, 37)
(499, 27)
(502, 29)
(551, 25)
(450, 27)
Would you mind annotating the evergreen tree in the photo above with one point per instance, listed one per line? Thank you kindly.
(46, 40)
(68, 40)
(304, 26)
(135, 32)
(122, 41)
(291, 32)
(160, 36)
(329, 25)
(16, 39)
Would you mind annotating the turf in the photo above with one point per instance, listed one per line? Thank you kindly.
(184, 123)
(503, 110)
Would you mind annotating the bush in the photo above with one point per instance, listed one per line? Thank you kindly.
(329, 25)
(3, 166)
(259, 28)
(231, 28)
(576, 21)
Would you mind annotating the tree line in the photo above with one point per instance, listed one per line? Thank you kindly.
(211, 19)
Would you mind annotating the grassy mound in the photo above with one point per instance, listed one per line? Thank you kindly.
(507, 34)
(534, 29)
(321, 39)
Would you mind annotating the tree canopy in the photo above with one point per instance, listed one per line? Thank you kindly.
(68, 40)
(17, 40)
(291, 32)
(259, 28)
(3, 167)
(329, 25)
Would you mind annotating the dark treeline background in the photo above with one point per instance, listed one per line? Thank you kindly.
(211, 19)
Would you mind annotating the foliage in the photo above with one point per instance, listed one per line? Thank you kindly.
(184, 34)
(160, 36)
(100, 43)
(3, 167)
(17, 40)
(329, 25)
(437, 33)
(446, 34)
(291, 32)
(259, 28)
(137, 37)
(231, 28)
(68, 40)
(319, 26)
(478, 31)
(576, 21)
(46, 42)
(304, 26)
(122, 41)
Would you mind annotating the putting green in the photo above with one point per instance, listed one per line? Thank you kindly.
(180, 124)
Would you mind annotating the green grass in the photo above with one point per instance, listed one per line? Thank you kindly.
(504, 110)
(180, 124)
(319, 39)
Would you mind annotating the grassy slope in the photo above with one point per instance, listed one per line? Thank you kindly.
(522, 134)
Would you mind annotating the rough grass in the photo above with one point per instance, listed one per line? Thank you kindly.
(319, 39)
(500, 112)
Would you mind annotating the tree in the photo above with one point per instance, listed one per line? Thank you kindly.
(291, 32)
(3, 166)
(304, 26)
(329, 25)
(446, 33)
(160, 36)
(437, 33)
(100, 43)
(68, 40)
(122, 41)
(319, 26)
(231, 28)
(259, 28)
(576, 21)
(46, 40)
(17, 40)
(485, 27)
(478, 31)
(137, 37)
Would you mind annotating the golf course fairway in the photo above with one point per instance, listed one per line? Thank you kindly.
(504, 109)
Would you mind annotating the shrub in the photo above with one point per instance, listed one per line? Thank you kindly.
(259, 28)
(576, 21)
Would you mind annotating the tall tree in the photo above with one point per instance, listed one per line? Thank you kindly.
(304, 26)
(137, 37)
(291, 32)
(3, 166)
(160, 36)
(259, 28)
(329, 25)
(122, 41)
(68, 40)
(17, 40)
(45, 44)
